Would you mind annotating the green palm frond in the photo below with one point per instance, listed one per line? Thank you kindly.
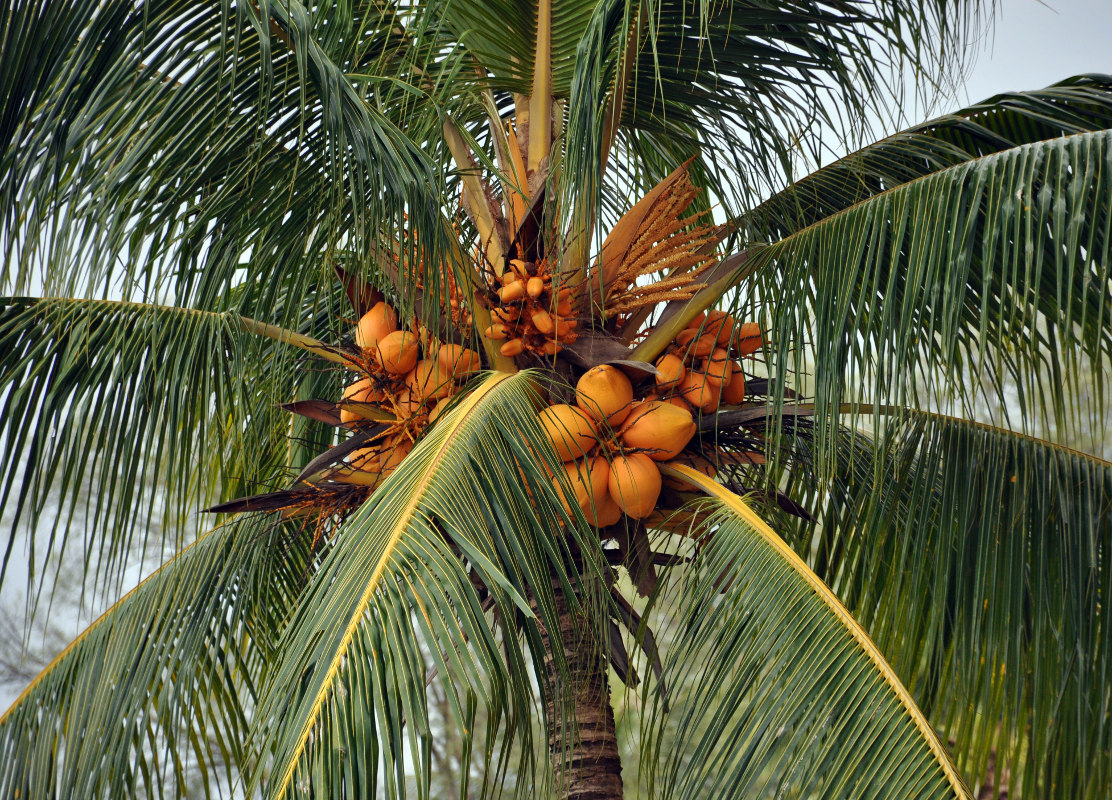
(793, 698)
(997, 269)
(395, 594)
(978, 558)
(154, 697)
(1075, 105)
(149, 150)
(152, 412)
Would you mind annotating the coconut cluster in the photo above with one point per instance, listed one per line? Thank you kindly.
(408, 378)
(699, 370)
(610, 445)
(528, 313)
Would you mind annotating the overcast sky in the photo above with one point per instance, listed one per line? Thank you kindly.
(1035, 43)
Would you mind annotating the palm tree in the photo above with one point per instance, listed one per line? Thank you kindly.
(855, 580)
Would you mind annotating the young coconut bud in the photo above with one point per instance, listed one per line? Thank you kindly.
(374, 325)
(429, 380)
(397, 352)
(513, 347)
(747, 338)
(635, 484)
(534, 287)
(605, 393)
(660, 429)
(571, 430)
(669, 371)
(733, 393)
(496, 332)
(512, 291)
(543, 321)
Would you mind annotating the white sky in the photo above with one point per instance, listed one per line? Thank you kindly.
(1035, 43)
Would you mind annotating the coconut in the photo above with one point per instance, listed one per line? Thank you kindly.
(605, 513)
(605, 393)
(659, 428)
(362, 391)
(734, 391)
(458, 360)
(429, 380)
(408, 404)
(374, 325)
(747, 338)
(718, 368)
(398, 352)
(721, 325)
(669, 371)
(394, 455)
(699, 392)
(635, 484)
(571, 430)
(698, 320)
(588, 479)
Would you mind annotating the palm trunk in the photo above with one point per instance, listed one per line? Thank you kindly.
(582, 740)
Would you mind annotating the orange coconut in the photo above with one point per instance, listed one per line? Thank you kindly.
(733, 392)
(605, 393)
(747, 338)
(398, 352)
(721, 325)
(718, 368)
(588, 478)
(635, 484)
(362, 391)
(659, 428)
(374, 325)
(605, 513)
(429, 380)
(669, 371)
(699, 392)
(458, 360)
(571, 430)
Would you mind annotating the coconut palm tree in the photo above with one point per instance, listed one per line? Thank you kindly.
(520, 363)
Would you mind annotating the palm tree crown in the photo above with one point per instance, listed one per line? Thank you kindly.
(518, 358)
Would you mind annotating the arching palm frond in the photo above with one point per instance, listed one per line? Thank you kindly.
(994, 269)
(152, 412)
(155, 696)
(395, 591)
(978, 559)
(1075, 105)
(785, 692)
(150, 150)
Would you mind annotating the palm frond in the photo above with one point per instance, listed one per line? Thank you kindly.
(978, 558)
(172, 150)
(152, 411)
(396, 595)
(793, 697)
(154, 697)
(945, 289)
(1078, 104)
